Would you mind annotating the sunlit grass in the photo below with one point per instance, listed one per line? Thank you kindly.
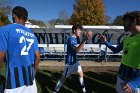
(95, 82)
(46, 80)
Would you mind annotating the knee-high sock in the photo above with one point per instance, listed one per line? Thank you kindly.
(82, 84)
(58, 85)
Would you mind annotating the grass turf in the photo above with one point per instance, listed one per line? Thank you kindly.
(101, 82)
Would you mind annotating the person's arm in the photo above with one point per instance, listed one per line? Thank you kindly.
(2, 56)
(3, 44)
(37, 55)
(87, 36)
(116, 49)
(37, 60)
(78, 48)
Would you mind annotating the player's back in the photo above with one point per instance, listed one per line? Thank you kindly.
(20, 46)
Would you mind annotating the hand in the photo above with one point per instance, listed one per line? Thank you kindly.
(102, 37)
(35, 69)
(35, 72)
(88, 35)
(126, 88)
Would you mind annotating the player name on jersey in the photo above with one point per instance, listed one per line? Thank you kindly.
(24, 32)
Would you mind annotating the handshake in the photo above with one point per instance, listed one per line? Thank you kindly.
(87, 35)
(102, 38)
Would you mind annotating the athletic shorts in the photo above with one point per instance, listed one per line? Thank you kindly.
(69, 69)
(119, 86)
(23, 89)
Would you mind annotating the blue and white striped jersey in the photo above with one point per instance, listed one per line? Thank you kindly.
(71, 57)
(19, 43)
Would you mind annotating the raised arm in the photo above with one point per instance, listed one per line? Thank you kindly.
(87, 36)
(115, 49)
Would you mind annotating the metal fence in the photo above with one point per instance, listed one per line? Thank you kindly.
(52, 43)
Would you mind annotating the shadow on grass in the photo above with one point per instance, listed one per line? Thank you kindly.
(47, 81)
(95, 82)
(100, 82)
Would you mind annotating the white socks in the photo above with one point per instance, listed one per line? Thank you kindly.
(82, 84)
(58, 86)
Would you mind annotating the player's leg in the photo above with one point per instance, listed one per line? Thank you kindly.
(81, 80)
(81, 75)
(66, 73)
(59, 84)
(137, 90)
(119, 85)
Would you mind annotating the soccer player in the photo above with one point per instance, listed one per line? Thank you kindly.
(128, 79)
(72, 64)
(19, 46)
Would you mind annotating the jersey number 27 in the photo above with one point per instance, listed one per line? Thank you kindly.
(26, 48)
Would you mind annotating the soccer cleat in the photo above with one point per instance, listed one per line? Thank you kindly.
(55, 92)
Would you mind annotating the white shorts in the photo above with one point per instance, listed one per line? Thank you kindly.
(69, 69)
(23, 89)
(119, 88)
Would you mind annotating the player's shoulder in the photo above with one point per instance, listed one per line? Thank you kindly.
(127, 37)
(9, 26)
(71, 38)
(5, 28)
(24, 28)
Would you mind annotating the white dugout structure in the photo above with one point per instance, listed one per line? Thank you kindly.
(53, 41)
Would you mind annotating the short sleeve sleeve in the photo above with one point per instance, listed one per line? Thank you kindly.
(3, 39)
(35, 44)
(71, 42)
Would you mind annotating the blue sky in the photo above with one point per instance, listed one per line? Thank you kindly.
(49, 9)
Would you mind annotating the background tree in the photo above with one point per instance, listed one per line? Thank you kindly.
(63, 18)
(108, 20)
(5, 9)
(118, 21)
(37, 22)
(4, 19)
(52, 23)
(88, 12)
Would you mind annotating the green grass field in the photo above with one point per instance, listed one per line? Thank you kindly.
(96, 82)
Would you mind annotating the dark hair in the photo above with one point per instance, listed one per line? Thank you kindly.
(20, 12)
(77, 26)
(135, 15)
